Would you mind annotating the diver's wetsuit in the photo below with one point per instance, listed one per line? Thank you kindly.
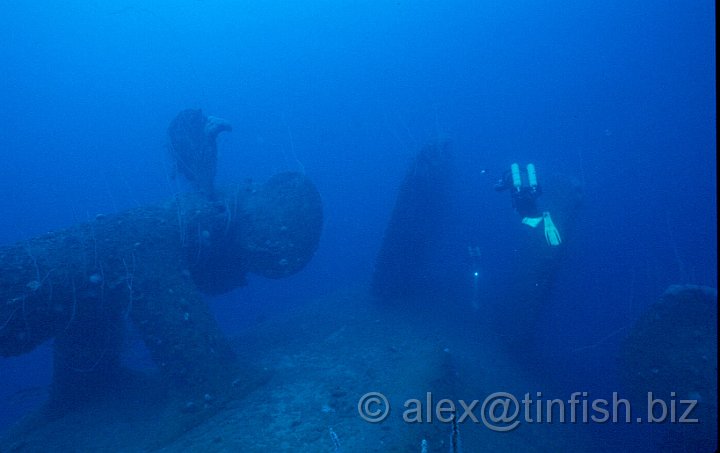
(523, 200)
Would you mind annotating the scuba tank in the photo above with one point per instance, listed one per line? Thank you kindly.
(532, 176)
(516, 180)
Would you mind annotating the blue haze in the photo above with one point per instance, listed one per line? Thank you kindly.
(619, 93)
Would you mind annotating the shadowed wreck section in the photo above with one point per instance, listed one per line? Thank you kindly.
(420, 222)
(534, 264)
(412, 235)
(670, 354)
(147, 266)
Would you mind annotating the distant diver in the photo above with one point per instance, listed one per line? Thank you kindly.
(475, 260)
(524, 200)
(193, 147)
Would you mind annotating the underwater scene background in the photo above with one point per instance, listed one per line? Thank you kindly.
(402, 116)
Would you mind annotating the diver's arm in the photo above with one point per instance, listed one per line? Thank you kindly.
(504, 183)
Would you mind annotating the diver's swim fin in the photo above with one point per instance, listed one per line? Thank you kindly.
(552, 235)
(532, 221)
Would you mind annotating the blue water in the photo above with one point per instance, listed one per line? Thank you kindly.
(620, 94)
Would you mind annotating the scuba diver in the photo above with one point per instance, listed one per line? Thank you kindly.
(524, 200)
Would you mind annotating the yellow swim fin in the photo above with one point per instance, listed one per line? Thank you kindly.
(552, 235)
